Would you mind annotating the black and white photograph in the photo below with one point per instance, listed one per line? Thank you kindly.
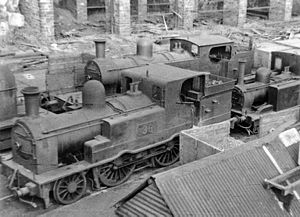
(149, 108)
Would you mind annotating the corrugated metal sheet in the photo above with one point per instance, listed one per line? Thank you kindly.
(225, 184)
(231, 186)
(148, 202)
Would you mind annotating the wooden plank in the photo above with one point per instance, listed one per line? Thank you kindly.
(166, 27)
(284, 176)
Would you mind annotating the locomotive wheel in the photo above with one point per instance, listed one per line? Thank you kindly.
(113, 175)
(69, 189)
(170, 156)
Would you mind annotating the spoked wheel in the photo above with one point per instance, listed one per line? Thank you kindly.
(170, 156)
(114, 174)
(69, 189)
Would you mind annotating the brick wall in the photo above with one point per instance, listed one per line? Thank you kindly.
(193, 148)
(81, 10)
(142, 10)
(201, 142)
(30, 9)
(234, 12)
(281, 10)
(121, 17)
(186, 9)
(66, 72)
(242, 12)
(47, 19)
(270, 121)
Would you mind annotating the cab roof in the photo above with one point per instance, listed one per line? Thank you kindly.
(206, 40)
(162, 73)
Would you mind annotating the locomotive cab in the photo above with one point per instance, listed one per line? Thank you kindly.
(209, 51)
(175, 89)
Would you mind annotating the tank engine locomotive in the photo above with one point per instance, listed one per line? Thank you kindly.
(110, 137)
(210, 53)
(268, 91)
(214, 54)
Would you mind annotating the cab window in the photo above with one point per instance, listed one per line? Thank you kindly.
(219, 53)
(156, 92)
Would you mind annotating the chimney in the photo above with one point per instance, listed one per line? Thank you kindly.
(32, 101)
(242, 65)
(100, 48)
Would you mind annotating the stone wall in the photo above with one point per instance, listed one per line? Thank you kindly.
(200, 142)
(66, 72)
(234, 12)
(271, 121)
(193, 148)
(47, 19)
(186, 9)
(81, 10)
(9, 18)
(121, 17)
(30, 9)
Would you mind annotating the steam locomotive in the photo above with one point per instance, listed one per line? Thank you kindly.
(109, 138)
(265, 91)
(214, 54)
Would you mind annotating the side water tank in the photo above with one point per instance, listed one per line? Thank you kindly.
(8, 100)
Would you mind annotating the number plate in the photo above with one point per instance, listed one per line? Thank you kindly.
(146, 128)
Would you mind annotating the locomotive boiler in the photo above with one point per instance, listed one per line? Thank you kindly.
(110, 137)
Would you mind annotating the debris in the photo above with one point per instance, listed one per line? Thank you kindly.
(69, 42)
(204, 22)
(29, 45)
(7, 54)
(256, 31)
(166, 27)
(95, 24)
(177, 14)
(150, 21)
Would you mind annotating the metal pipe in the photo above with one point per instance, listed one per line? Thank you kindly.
(242, 66)
(100, 48)
(32, 101)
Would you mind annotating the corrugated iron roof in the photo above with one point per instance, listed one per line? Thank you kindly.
(147, 202)
(227, 184)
